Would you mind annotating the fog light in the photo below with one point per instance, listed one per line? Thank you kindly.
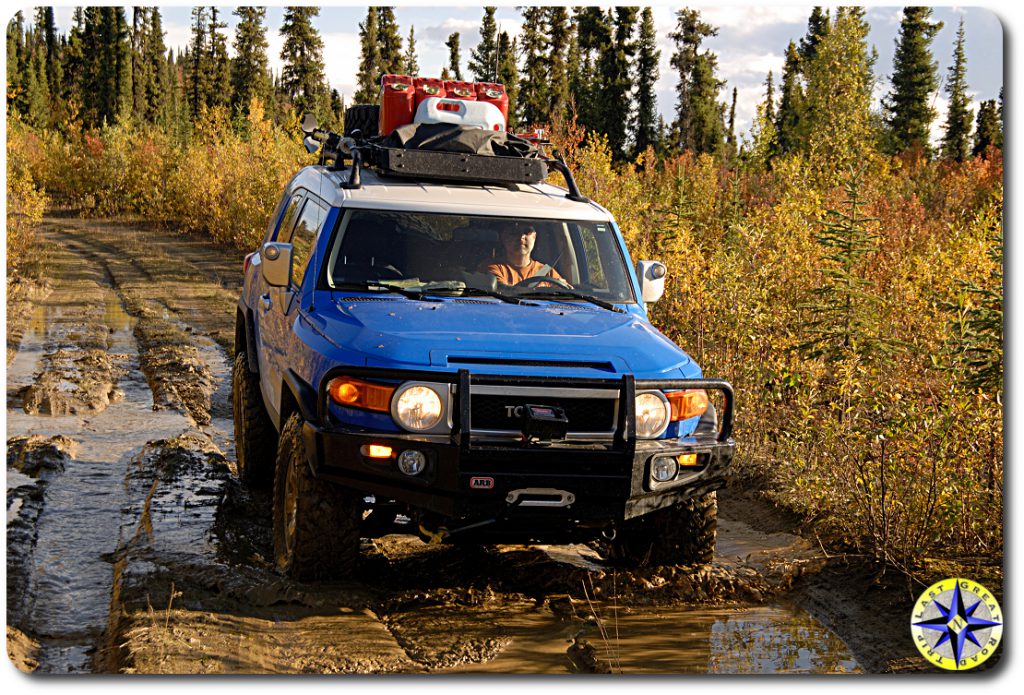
(412, 462)
(687, 460)
(664, 468)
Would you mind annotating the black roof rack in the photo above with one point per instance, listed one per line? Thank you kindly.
(434, 165)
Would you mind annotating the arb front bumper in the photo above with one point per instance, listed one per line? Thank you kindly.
(472, 475)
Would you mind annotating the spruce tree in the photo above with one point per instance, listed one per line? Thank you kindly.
(730, 136)
(250, 75)
(817, 29)
(789, 121)
(646, 133)
(483, 60)
(533, 83)
(47, 28)
(956, 140)
(73, 63)
(157, 96)
(391, 60)
(909, 113)
(368, 77)
(593, 33)
(15, 61)
(508, 75)
(559, 35)
(454, 56)
(690, 31)
(220, 64)
(615, 86)
(707, 127)
(769, 97)
(141, 76)
(409, 60)
(197, 73)
(842, 322)
(978, 326)
(302, 77)
(37, 92)
(987, 131)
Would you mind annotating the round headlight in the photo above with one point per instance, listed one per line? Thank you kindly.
(418, 408)
(664, 468)
(412, 462)
(652, 414)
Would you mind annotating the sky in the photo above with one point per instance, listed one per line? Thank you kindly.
(752, 40)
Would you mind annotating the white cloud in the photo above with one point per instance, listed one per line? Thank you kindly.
(743, 20)
(341, 58)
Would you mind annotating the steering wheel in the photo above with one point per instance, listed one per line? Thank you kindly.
(535, 280)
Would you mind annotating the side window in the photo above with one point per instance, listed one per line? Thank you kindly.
(272, 224)
(304, 237)
(284, 230)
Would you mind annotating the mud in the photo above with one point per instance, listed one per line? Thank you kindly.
(132, 548)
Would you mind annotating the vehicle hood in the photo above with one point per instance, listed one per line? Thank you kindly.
(564, 339)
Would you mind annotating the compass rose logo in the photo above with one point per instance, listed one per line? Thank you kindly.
(957, 624)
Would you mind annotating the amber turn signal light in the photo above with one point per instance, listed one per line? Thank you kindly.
(687, 404)
(354, 393)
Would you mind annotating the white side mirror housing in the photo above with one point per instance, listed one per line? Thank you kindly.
(652, 280)
(276, 263)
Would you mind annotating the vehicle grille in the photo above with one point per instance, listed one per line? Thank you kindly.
(490, 412)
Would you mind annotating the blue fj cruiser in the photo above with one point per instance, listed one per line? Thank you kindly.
(440, 343)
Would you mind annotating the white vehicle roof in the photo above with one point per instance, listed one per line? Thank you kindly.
(392, 193)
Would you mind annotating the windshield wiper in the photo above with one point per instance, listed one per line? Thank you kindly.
(554, 292)
(412, 292)
(480, 291)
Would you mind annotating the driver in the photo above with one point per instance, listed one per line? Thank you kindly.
(518, 241)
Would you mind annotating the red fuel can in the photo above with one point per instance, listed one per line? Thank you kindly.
(460, 90)
(493, 93)
(426, 87)
(397, 102)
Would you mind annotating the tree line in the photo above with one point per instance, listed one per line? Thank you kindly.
(597, 66)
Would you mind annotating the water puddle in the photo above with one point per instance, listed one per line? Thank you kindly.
(67, 599)
(668, 641)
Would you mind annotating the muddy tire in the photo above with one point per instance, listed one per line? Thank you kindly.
(316, 523)
(255, 436)
(681, 535)
(363, 118)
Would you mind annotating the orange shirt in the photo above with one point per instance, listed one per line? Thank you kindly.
(511, 275)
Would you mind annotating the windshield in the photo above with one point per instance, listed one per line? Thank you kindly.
(519, 256)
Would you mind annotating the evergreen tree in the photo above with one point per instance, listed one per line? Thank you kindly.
(789, 122)
(368, 77)
(197, 74)
(391, 60)
(454, 56)
(37, 92)
(47, 28)
(908, 107)
(817, 29)
(690, 31)
(141, 76)
(707, 127)
(593, 33)
(73, 63)
(15, 61)
(533, 84)
(156, 98)
(956, 140)
(302, 77)
(250, 75)
(559, 36)
(646, 131)
(409, 60)
(842, 322)
(483, 60)
(508, 75)
(769, 98)
(615, 84)
(987, 131)
(730, 136)
(220, 63)
(839, 87)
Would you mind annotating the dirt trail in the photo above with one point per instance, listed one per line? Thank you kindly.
(132, 547)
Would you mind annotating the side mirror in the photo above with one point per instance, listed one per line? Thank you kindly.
(652, 280)
(276, 263)
(308, 124)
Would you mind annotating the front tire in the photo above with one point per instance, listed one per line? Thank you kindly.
(255, 436)
(316, 523)
(683, 534)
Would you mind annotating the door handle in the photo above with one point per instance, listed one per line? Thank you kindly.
(265, 302)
